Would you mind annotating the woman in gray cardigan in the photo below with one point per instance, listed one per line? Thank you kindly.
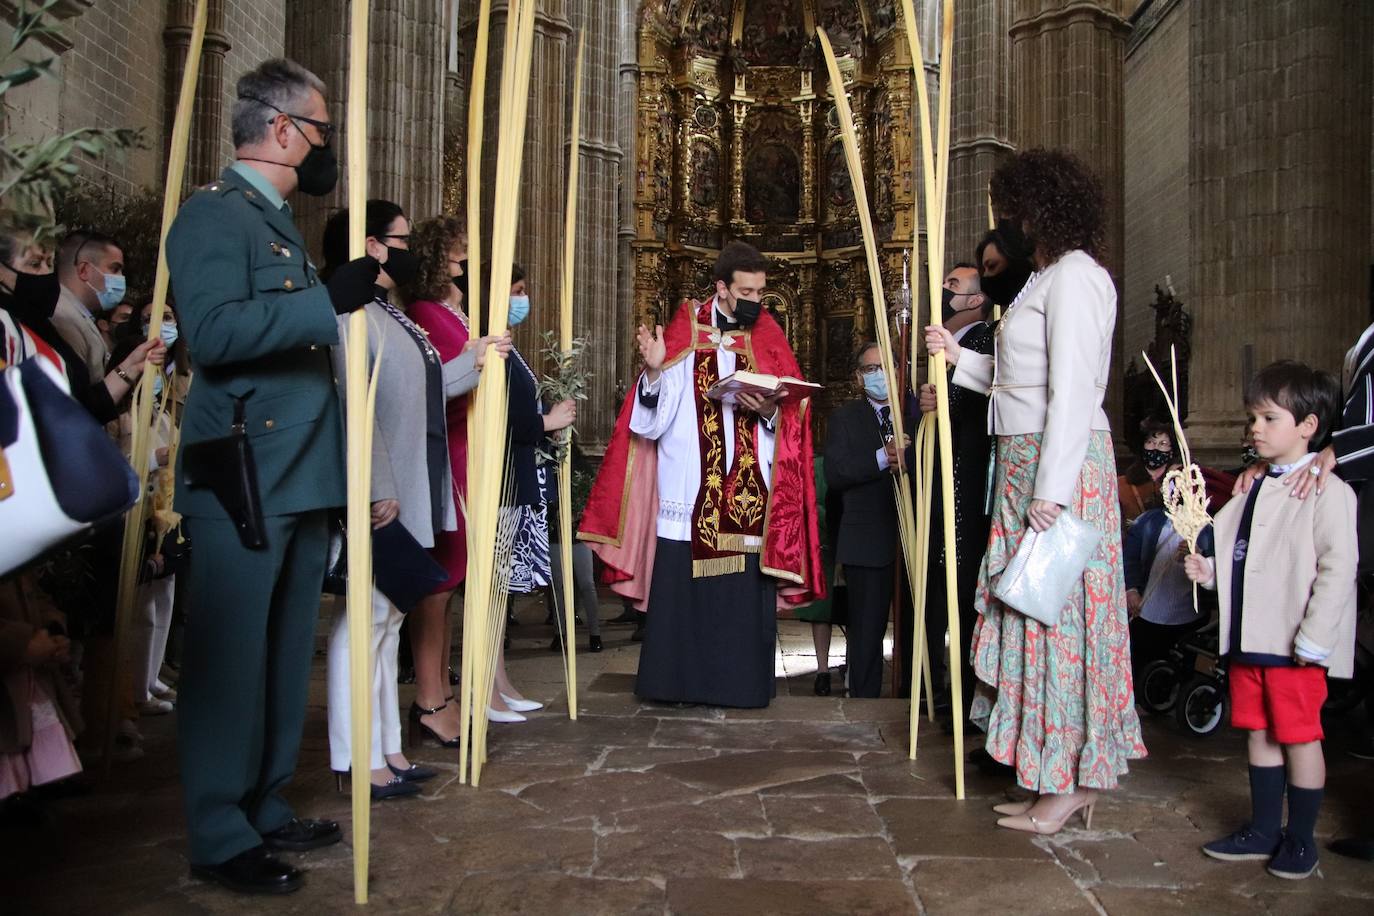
(411, 480)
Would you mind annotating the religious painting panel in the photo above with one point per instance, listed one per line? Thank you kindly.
(772, 184)
(839, 190)
(708, 26)
(773, 33)
(705, 175)
(843, 23)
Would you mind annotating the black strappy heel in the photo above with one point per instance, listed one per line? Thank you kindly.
(419, 729)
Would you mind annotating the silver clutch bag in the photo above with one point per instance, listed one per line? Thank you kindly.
(1046, 567)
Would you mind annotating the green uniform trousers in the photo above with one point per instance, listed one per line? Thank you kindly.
(249, 640)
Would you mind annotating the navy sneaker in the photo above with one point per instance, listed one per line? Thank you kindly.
(1244, 845)
(1295, 860)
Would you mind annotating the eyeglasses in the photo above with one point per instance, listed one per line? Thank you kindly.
(325, 128)
(870, 369)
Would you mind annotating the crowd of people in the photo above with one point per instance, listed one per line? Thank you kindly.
(711, 511)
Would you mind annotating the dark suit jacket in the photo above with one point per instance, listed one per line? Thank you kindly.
(525, 426)
(972, 447)
(868, 526)
(1353, 443)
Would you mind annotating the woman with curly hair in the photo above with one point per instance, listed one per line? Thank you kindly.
(1140, 487)
(435, 298)
(1057, 702)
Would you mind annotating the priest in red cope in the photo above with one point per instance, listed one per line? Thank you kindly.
(704, 511)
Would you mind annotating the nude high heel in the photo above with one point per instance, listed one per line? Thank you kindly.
(1029, 823)
(1012, 809)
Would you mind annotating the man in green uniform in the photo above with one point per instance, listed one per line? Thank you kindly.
(259, 325)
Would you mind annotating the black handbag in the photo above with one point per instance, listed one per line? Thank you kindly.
(225, 467)
(403, 570)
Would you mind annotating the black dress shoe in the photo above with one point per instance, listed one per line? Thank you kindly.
(302, 834)
(628, 615)
(1354, 847)
(396, 787)
(823, 684)
(252, 872)
(638, 634)
(593, 643)
(413, 773)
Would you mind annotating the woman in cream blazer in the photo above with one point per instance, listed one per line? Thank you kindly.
(1057, 703)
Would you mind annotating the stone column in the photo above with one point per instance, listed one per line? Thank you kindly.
(1067, 58)
(981, 119)
(454, 198)
(595, 311)
(626, 112)
(405, 100)
(1279, 175)
(208, 129)
(539, 232)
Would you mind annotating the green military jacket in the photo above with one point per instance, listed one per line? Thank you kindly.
(258, 325)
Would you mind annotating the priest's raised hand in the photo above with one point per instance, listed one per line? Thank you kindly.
(651, 348)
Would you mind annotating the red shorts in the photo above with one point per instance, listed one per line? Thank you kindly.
(1286, 702)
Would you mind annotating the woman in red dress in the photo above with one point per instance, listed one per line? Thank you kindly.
(436, 305)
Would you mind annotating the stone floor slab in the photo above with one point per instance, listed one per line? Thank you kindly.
(695, 897)
(965, 887)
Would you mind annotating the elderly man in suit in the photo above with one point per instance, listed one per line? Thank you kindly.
(259, 325)
(861, 455)
(964, 312)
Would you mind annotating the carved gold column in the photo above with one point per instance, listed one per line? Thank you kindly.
(739, 111)
(806, 110)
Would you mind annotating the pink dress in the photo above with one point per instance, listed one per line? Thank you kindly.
(448, 333)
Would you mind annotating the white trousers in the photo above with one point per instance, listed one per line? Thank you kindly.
(386, 705)
(152, 624)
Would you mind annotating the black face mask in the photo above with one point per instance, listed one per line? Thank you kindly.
(1155, 458)
(461, 280)
(1002, 288)
(318, 172)
(401, 265)
(747, 311)
(36, 294)
(947, 309)
(1019, 246)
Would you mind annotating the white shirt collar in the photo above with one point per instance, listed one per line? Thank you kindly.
(959, 334)
(1290, 468)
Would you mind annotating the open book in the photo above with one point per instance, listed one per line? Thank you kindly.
(791, 389)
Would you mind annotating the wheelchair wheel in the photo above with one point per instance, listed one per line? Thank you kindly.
(1202, 706)
(1158, 687)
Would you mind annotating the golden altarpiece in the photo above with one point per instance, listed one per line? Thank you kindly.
(737, 137)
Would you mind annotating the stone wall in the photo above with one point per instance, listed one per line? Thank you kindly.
(1155, 149)
(256, 30)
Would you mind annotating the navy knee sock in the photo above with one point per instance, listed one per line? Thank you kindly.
(1303, 805)
(1266, 799)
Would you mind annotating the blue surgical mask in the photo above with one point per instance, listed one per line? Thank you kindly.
(112, 294)
(169, 333)
(519, 309)
(875, 386)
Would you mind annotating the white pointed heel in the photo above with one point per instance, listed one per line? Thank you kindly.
(521, 705)
(502, 715)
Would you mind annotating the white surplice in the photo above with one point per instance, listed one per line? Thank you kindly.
(672, 424)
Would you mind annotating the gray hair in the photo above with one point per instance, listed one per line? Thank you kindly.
(282, 84)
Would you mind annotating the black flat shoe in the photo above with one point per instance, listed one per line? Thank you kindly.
(414, 773)
(396, 787)
(593, 643)
(419, 729)
(252, 872)
(628, 615)
(302, 834)
(823, 684)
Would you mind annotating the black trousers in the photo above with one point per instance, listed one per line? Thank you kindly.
(870, 600)
(937, 625)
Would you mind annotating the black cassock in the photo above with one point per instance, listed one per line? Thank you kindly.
(709, 639)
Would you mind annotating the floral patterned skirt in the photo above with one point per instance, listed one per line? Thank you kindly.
(1057, 703)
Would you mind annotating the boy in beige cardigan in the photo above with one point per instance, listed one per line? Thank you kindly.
(1286, 584)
